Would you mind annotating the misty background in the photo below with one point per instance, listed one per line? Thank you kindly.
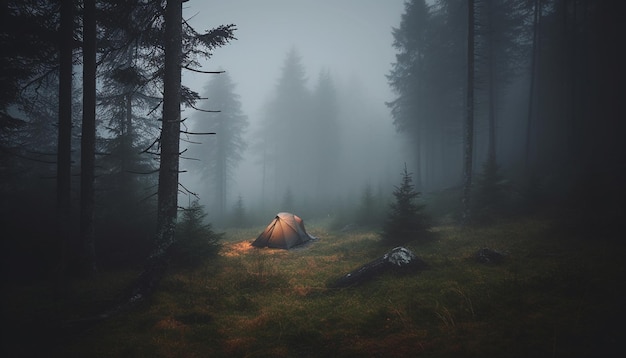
(471, 131)
(319, 108)
(348, 41)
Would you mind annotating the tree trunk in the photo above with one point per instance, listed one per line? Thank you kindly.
(469, 121)
(531, 94)
(167, 205)
(64, 146)
(491, 62)
(170, 128)
(88, 139)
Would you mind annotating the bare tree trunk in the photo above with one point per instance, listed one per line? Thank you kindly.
(88, 139)
(170, 129)
(491, 61)
(64, 146)
(469, 121)
(167, 205)
(532, 95)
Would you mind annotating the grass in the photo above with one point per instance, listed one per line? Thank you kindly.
(553, 296)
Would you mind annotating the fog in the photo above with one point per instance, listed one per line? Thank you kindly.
(320, 106)
(349, 39)
(482, 139)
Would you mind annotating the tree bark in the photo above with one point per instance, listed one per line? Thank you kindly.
(491, 62)
(88, 139)
(469, 119)
(170, 128)
(64, 140)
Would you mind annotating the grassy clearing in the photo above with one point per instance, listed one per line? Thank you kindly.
(554, 296)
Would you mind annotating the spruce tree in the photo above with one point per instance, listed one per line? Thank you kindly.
(196, 240)
(406, 219)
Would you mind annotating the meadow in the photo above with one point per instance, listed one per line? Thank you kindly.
(554, 295)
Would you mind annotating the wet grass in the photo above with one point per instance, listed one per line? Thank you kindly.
(553, 296)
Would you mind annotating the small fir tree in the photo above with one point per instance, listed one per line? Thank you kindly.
(196, 241)
(406, 219)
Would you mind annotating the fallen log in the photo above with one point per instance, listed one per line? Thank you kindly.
(399, 259)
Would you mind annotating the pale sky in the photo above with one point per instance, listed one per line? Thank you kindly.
(351, 38)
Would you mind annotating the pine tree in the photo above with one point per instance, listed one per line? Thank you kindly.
(196, 240)
(406, 219)
(219, 155)
(288, 113)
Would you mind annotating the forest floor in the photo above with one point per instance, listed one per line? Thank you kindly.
(554, 295)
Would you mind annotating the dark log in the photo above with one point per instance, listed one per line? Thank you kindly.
(399, 260)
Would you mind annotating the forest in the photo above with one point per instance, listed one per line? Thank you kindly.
(135, 172)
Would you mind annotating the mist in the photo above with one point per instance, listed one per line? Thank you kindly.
(351, 42)
(328, 178)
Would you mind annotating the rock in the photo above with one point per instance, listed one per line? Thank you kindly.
(400, 256)
(398, 260)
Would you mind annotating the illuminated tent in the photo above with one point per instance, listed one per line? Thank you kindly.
(284, 232)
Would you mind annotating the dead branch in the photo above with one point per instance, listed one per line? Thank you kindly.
(200, 71)
(203, 110)
(197, 133)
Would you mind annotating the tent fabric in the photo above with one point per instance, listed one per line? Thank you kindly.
(284, 232)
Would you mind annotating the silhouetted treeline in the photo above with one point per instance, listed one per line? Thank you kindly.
(547, 106)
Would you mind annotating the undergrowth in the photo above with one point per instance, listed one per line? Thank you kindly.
(553, 296)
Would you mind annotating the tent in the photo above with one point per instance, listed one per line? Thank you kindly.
(284, 232)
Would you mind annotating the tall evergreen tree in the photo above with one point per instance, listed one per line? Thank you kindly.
(284, 143)
(64, 138)
(468, 138)
(88, 139)
(219, 155)
(408, 77)
(499, 37)
(325, 143)
(427, 80)
(177, 57)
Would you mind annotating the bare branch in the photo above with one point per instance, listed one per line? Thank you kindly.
(203, 110)
(200, 71)
(189, 141)
(189, 158)
(188, 191)
(198, 133)
(155, 107)
(151, 145)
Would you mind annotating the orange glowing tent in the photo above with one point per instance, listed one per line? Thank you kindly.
(284, 232)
